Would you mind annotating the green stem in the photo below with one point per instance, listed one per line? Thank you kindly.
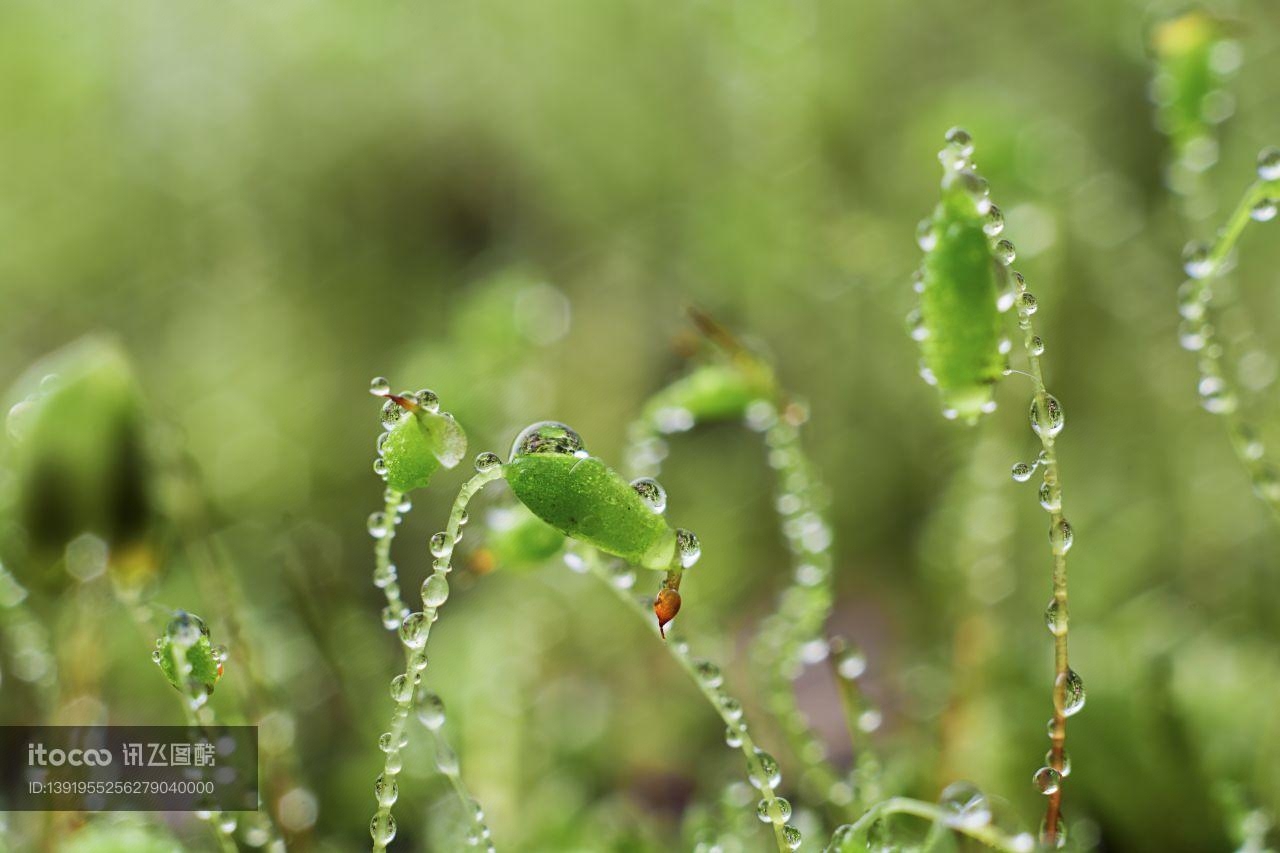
(985, 834)
(714, 695)
(382, 826)
(1200, 302)
(1058, 523)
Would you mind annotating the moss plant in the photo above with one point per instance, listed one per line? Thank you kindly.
(1045, 415)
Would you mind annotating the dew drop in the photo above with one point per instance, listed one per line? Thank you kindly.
(387, 791)
(960, 141)
(435, 589)
(431, 711)
(414, 629)
(1264, 210)
(1047, 780)
(1269, 164)
(708, 673)
(392, 414)
(766, 814)
(765, 773)
(1072, 693)
(391, 617)
(386, 742)
(438, 544)
(733, 737)
(1055, 617)
(1021, 472)
(549, 437)
(1050, 498)
(1004, 252)
(926, 237)
(446, 759)
(1196, 260)
(965, 805)
(378, 525)
(792, 836)
(1027, 303)
(383, 828)
(487, 461)
(688, 547)
(428, 400)
(401, 689)
(1037, 346)
(851, 663)
(1047, 420)
(995, 222)
(1061, 536)
(732, 708)
(379, 386)
(1059, 839)
(652, 493)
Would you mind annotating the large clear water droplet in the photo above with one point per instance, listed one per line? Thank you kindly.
(765, 813)
(435, 590)
(1047, 780)
(1061, 536)
(1072, 693)
(1048, 419)
(551, 437)
(414, 630)
(652, 493)
(431, 711)
(688, 547)
(1055, 617)
(383, 828)
(766, 774)
(387, 791)
(966, 805)
(487, 461)
(379, 386)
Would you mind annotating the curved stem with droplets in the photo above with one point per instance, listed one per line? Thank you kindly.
(414, 633)
(805, 604)
(729, 709)
(981, 832)
(1046, 422)
(1199, 302)
(384, 574)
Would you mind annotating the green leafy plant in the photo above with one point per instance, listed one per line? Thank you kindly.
(958, 224)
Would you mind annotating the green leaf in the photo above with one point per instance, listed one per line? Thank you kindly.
(418, 445)
(551, 474)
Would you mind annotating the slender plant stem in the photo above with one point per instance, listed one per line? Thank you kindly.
(384, 574)
(985, 833)
(199, 715)
(714, 695)
(403, 687)
(1220, 394)
(1042, 407)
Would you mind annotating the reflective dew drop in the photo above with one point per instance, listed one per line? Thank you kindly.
(439, 544)
(428, 400)
(387, 791)
(766, 815)
(1047, 780)
(1027, 303)
(414, 630)
(379, 386)
(1037, 346)
(435, 590)
(688, 547)
(792, 836)
(487, 461)
(1196, 261)
(995, 222)
(1021, 472)
(548, 437)
(851, 664)
(1072, 693)
(766, 774)
(378, 525)
(383, 828)
(708, 673)
(392, 414)
(1269, 164)
(1059, 839)
(1264, 210)
(733, 737)
(1048, 419)
(1050, 498)
(1055, 617)
(652, 493)
(1004, 252)
(960, 141)
(1061, 537)
(401, 689)
(966, 805)
(431, 711)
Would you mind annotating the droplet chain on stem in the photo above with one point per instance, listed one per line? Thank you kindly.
(382, 826)
(729, 709)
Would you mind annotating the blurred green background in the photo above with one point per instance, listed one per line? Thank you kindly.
(265, 205)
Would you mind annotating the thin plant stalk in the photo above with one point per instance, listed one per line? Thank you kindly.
(983, 833)
(414, 632)
(1046, 419)
(715, 696)
(1219, 390)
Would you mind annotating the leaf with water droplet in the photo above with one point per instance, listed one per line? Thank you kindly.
(186, 636)
(551, 473)
(960, 286)
(420, 443)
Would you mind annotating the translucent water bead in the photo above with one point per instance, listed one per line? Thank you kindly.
(965, 805)
(1269, 164)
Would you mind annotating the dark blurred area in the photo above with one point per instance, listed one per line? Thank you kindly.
(242, 212)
